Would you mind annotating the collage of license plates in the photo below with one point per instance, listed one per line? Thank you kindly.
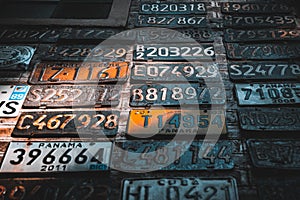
(131, 112)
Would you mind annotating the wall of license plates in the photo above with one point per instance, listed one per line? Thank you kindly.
(83, 118)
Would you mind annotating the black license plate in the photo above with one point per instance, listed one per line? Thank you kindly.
(249, 71)
(175, 155)
(254, 8)
(66, 123)
(171, 21)
(175, 95)
(180, 188)
(170, 72)
(237, 35)
(174, 52)
(282, 21)
(84, 53)
(269, 119)
(150, 8)
(268, 93)
(69, 96)
(262, 51)
(275, 153)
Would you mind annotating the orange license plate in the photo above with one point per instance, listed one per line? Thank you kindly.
(77, 72)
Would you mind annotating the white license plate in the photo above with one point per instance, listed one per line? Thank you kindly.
(56, 156)
(11, 99)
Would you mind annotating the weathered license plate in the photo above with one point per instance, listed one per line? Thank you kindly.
(73, 95)
(65, 187)
(85, 53)
(249, 71)
(275, 153)
(268, 93)
(175, 52)
(170, 72)
(269, 119)
(149, 8)
(30, 35)
(79, 73)
(60, 123)
(236, 35)
(176, 121)
(180, 188)
(56, 156)
(176, 94)
(17, 56)
(283, 21)
(175, 155)
(262, 51)
(253, 8)
(12, 98)
(171, 21)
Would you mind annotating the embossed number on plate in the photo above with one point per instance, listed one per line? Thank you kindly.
(247, 8)
(56, 156)
(172, 8)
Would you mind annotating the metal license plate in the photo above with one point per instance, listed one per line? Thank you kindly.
(262, 51)
(180, 188)
(175, 155)
(67, 123)
(170, 72)
(249, 71)
(254, 8)
(268, 93)
(269, 119)
(56, 156)
(15, 55)
(79, 73)
(30, 35)
(171, 21)
(74, 95)
(149, 8)
(175, 95)
(85, 53)
(275, 153)
(235, 35)
(12, 98)
(66, 187)
(174, 52)
(283, 21)
(176, 121)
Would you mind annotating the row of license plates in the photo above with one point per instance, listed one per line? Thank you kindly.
(141, 156)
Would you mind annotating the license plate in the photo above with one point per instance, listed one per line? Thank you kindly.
(268, 93)
(79, 73)
(62, 187)
(175, 95)
(149, 8)
(3, 148)
(171, 21)
(262, 51)
(175, 155)
(180, 188)
(30, 35)
(84, 53)
(67, 123)
(175, 52)
(12, 98)
(275, 153)
(88, 33)
(74, 95)
(15, 55)
(175, 121)
(249, 71)
(56, 156)
(283, 21)
(254, 8)
(170, 72)
(235, 35)
(269, 119)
